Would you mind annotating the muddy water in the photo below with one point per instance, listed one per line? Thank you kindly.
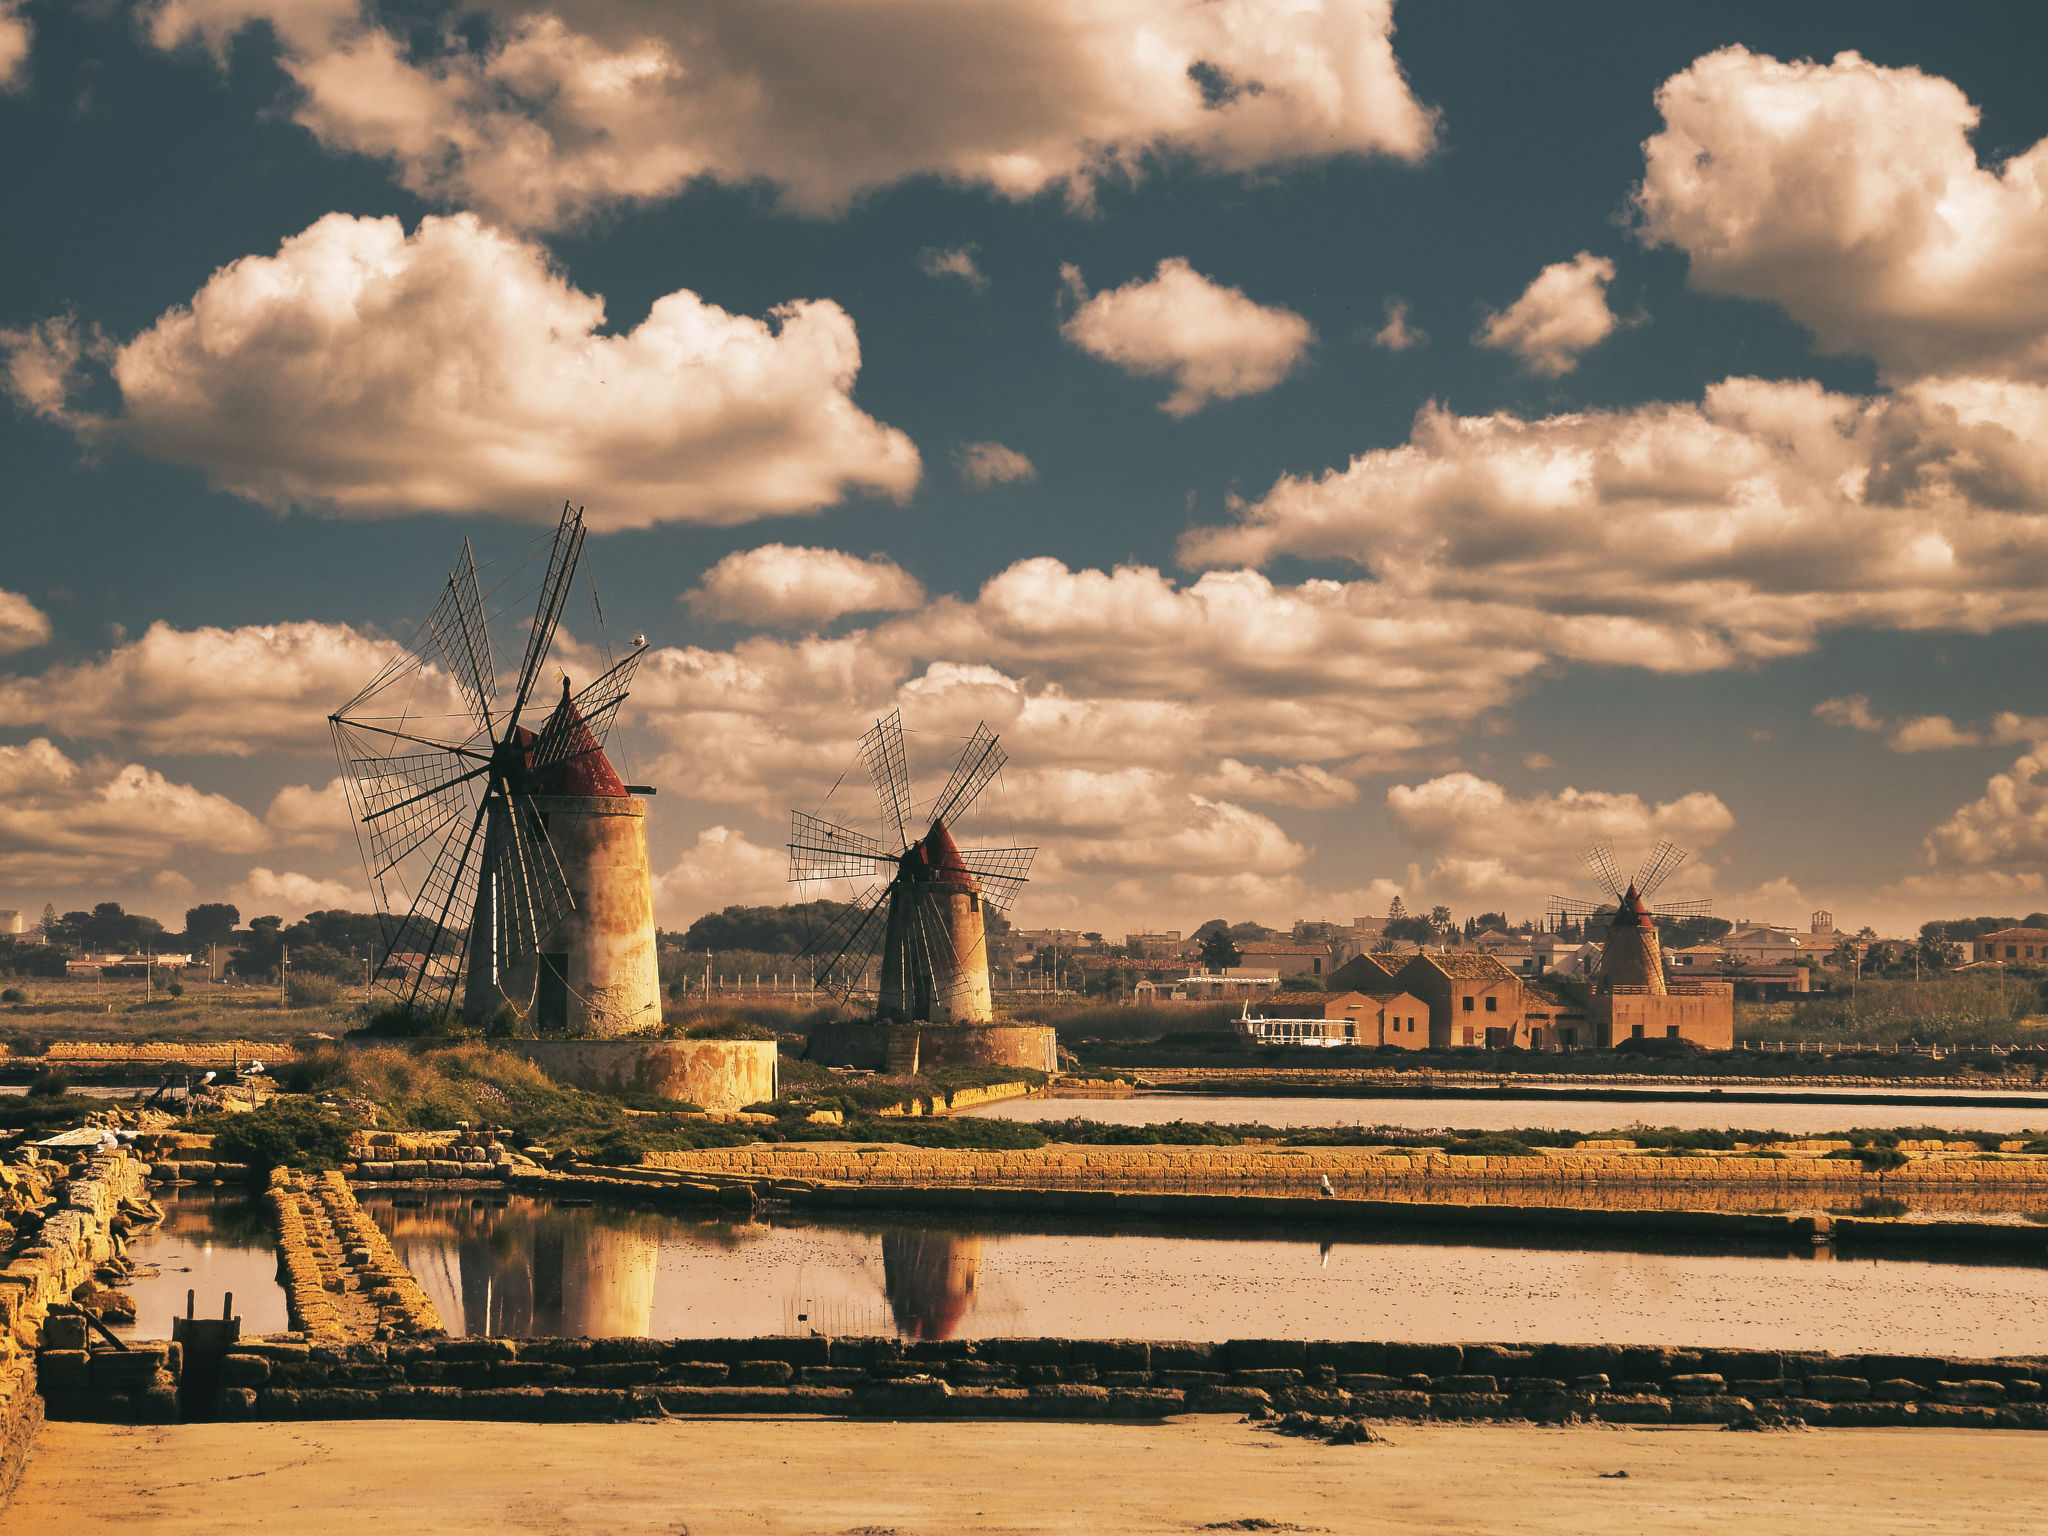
(212, 1242)
(1508, 1114)
(522, 1267)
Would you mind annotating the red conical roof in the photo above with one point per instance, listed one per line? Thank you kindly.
(585, 770)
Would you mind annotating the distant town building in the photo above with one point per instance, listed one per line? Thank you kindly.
(2021, 944)
(1286, 959)
(1392, 1017)
(1156, 946)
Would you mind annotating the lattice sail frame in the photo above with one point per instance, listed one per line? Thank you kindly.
(438, 794)
(1658, 866)
(823, 850)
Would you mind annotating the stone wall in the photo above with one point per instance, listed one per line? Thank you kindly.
(712, 1074)
(342, 1281)
(606, 1379)
(1351, 1168)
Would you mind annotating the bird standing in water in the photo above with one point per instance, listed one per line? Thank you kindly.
(1327, 1189)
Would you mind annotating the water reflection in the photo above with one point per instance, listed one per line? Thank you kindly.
(929, 1276)
(521, 1267)
(213, 1242)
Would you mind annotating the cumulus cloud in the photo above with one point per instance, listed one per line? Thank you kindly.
(62, 819)
(723, 869)
(1560, 314)
(1851, 711)
(1917, 733)
(1683, 537)
(1849, 193)
(1211, 341)
(16, 35)
(1297, 784)
(1931, 733)
(456, 369)
(953, 261)
(1491, 846)
(544, 114)
(23, 625)
(290, 895)
(299, 813)
(788, 586)
(262, 687)
(2007, 824)
(985, 464)
(1397, 335)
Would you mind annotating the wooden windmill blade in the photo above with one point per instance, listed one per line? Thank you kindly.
(554, 592)
(981, 760)
(594, 708)
(464, 640)
(1001, 873)
(848, 945)
(1577, 907)
(881, 749)
(824, 850)
(532, 874)
(1684, 909)
(1658, 866)
(1599, 860)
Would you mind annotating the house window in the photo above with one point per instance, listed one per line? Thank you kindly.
(1468, 1034)
(1493, 1005)
(1636, 1033)
(1571, 1036)
(2012, 951)
(1671, 1031)
(1467, 1001)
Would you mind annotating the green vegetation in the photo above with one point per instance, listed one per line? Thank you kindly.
(1873, 1159)
(1982, 1007)
(288, 1132)
(1490, 1145)
(1179, 1133)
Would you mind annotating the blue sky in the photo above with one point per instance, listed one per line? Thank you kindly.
(1716, 407)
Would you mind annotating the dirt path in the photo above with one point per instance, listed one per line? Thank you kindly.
(710, 1477)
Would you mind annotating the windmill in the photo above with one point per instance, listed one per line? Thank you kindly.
(927, 920)
(1632, 956)
(491, 849)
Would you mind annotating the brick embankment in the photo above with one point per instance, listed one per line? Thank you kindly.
(342, 1281)
(586, 1379)
(63, 1219)
(1310, 1079)
(1352, 1169)
(146, 1053)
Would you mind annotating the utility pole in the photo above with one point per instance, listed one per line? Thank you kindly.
(284, 960)
(148, 974)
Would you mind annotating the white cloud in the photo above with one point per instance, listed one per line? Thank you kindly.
(456, 370)
(1297, 784)
(61, 819)
(953, 261)
(1851, 711)
(262, 687)
(2006, 825)
(788, 586)
(1211, 341)
(985, 464)
(544, 115)
(1931, 733)
(16, 35)
(1850, 194)
(23, 625)
(2007, 728)
(1491, 846)
(299, 813)
(290, 895)
(174, 885)
(1397, 335)
(1684, 537)
(1560, 314)
(724, 869)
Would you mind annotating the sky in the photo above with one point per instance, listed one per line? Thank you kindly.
(1345, 449)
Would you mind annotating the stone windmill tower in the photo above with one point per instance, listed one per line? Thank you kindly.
(1633, 958)
(927, 923)
(510, 866)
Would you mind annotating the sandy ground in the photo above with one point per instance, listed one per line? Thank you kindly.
(707, 1477)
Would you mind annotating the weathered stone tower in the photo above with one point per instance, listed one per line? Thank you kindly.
(1632, 956)
(595, 971)
(935, 949)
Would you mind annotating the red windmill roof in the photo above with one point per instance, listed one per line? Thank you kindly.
(937, 851)
(585, 770)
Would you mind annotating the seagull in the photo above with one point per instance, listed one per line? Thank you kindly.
(208, 1078)
(1327, 1189)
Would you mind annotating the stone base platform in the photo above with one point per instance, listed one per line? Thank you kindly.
(904, 1049)
(719, 1075)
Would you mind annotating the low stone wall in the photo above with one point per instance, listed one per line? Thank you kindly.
(144, 1053)
(71, 1222)
(606, 1379)
(720, 1075)
(1032, 1047)
(1350, 1168)
(342, 1281)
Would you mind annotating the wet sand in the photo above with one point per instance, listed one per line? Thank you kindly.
(709, 1477)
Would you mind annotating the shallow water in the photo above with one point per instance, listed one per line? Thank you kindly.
(521, 1267)
(212, 1242)
(1587, 1115)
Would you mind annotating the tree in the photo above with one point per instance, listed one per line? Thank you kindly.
(1218, 953)
(1396, 911)
(1488, 922)
(782, 930)
(47, 927)
(1940, 954)
(108, 929)
(1440, 918)
(211, 922)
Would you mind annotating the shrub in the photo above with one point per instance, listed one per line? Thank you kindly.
(176, 989)
(285, 1133)
(28, 1045)
(13, 995)
(1174, 1133)
(728, 1029)
(1489, 1146)
(308, 990)
(1874, 1159)
(49, 1083)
